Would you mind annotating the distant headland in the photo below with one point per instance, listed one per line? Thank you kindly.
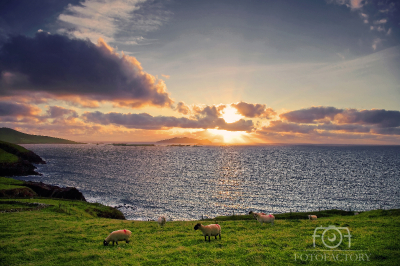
(185, 140)
(16, 137)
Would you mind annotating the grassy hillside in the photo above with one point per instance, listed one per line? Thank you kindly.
(13, 136)
(6, 157)
(10, 152)
(70, 233)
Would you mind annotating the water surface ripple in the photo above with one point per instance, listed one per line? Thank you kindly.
(185, 183)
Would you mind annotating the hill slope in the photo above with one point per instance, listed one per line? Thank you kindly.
(16, 137)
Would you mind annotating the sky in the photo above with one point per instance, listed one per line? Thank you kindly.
(233, 72)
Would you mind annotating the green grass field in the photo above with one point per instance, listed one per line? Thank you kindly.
(70, 233)
(10, 183)
(6, 157)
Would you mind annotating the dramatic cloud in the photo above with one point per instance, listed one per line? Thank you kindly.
(78, 71)
(311, 115)
(146, 121)
(254, 110)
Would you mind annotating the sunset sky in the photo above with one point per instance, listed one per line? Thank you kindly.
(236, 72)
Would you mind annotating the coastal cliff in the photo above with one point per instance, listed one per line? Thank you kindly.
(15, 160)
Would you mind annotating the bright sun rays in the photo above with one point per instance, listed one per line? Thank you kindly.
(230, 115)
(230, 137)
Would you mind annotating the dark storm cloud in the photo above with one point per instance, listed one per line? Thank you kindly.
(64, 67)
(146, 121)
(254, 110)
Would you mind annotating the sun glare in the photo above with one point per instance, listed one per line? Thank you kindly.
(230, 137)
(230, 115)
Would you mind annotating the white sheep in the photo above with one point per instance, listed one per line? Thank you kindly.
(312, 217)
(116, 236)
(161, 220)
(263, 218)
(209, 230)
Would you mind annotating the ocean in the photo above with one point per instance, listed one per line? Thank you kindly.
(188, 183)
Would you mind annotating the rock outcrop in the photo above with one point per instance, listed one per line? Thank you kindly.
(45, 190)
(20, 168)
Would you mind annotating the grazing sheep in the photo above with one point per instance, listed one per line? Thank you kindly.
(209, 230)
(263, 218)
(161, 220)
(312, 217)
(118, 236)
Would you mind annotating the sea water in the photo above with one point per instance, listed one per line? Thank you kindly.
(187, 183)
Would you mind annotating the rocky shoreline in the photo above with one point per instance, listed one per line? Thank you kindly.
(23, 166)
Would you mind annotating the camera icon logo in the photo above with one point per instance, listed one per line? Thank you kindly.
(332, 236)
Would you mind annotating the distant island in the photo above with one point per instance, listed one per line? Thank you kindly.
(185, 140)
(16, 137)
(123, 144)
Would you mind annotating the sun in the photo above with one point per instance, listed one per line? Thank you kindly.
(230, 115)
(230, 137)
